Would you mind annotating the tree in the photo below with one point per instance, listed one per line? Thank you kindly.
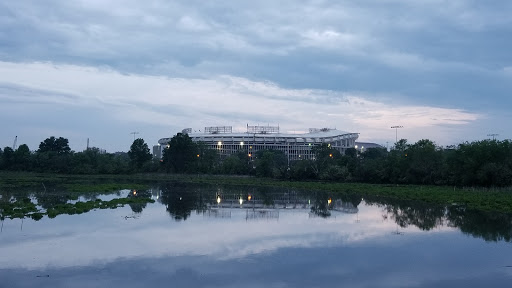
(8, 158)
(22, 158)
(351, 152)
(271, 163)
(180, 200)
(58, 145)
(139, 153)
(371, 166)
(208, 159)
(396, 162)
(303, 169)
(325, 158)
(181, 154)
(424, 163)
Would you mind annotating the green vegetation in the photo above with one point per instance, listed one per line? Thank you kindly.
(58, 204)
(484, 199)
(473, 174)
(486, 163)
(139, 153)
(83, 207)
(55, 156)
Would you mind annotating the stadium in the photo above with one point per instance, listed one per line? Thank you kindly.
(256, 138)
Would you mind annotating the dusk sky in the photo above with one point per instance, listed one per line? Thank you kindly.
(102, 69)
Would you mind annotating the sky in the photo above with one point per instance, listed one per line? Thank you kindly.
(100, 70)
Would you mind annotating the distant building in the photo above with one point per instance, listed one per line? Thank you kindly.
(157, 152)
(256, 138)
(361, 146)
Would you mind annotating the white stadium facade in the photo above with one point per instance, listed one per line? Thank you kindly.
(256, 138)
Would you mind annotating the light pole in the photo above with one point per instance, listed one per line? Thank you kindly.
(134, 133)
(493, 135)
(396, 131)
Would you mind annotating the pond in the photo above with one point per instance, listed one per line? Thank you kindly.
(229, 236)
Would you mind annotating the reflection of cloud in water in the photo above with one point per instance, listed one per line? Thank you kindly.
(106, 235)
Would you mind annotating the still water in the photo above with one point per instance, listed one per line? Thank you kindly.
(214, 236)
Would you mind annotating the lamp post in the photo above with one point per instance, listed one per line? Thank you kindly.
(396, 131)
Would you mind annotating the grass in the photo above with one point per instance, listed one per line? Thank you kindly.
(68, 183)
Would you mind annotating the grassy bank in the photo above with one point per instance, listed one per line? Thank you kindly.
(473, 198)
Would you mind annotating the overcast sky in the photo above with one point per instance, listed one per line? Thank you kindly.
(102, 69)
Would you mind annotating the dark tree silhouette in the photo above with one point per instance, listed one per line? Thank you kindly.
(139, 153)
(181, 154)
(59, 145)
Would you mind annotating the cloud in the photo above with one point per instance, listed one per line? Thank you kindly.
(295, 229)
(221, 100)
(244, 61)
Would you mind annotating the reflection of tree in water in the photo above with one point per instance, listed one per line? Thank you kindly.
(490, 226)
(138, 207)
(266, 195)
(181, 199)
(320, 205)
(419, 215)
(49, 200)
(354, 199)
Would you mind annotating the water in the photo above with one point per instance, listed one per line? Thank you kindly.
(187, 239)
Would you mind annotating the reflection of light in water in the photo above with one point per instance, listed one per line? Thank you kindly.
(134, 193)
(241, 201)
(218, 199)
(249, 197)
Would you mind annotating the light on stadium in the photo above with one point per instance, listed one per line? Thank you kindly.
(220, 143)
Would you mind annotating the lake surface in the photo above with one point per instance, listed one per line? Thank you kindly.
(214, 236)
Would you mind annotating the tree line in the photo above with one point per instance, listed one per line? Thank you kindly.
(55, 156)
(486, 163)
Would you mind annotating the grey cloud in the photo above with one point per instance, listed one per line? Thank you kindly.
(23, 94)
(442, 53)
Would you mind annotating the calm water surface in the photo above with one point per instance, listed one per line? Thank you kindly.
(281, 238)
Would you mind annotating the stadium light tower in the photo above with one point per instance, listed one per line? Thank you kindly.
(493, 135)
(396, 131)
(134, 133)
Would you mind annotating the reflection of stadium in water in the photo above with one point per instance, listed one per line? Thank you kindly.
(269, 206)
(258, 202)
(276, 201)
